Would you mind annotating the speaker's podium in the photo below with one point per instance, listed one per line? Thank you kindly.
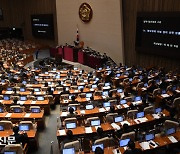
(71, 54)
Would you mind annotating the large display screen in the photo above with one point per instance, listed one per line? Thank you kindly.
(42, 26)
(158, 33)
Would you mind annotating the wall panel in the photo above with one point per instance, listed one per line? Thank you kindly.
(130, 9)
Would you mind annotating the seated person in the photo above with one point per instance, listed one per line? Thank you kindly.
(98, 150)
(71, 113)
(100, 134)
(110, 96)
(131, 149)
(20, 137)
(112, 109)
(125, 129)
(65, 91)
(49, 91)
(95, 103)
(73, 100)
(69, 138)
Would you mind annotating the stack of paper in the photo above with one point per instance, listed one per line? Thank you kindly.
(115, 126)
(124, 122)
(125, 105)
(38, 93)
(164, 95)
(145, 145)
(82, 111)
(156, 116)
(62, 132)
(9, 92)
(172, 139)
(27, 115)
(64, 114)
(88, 130)
(8, 115)
(20, 102)
(33, 102)
(102, 110)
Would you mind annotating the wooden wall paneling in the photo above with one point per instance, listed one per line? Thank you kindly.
(130, 9)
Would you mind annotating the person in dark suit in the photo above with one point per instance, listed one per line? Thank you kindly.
(20, 137)
(98, 150)
(131, 149)
(71, 113)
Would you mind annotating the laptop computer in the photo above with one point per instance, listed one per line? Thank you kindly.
(123, 101)
(68, 151)
(35, 110)
(140, 114)
(24, 82)
(163, 91)
(71, 125)
(158, 110)
(118, 119)
(149, 137)
(124, 142)
(9, 89)
(89, 107)
(118, 75)
(95, 123)
(94, 86)
(17, 110)
(97, 145)
(170, 131)
(23, 98)
(24, 127)
(105, 93)
(40, 98)
(107, 84)
(1, 128)
(130, 79)
(145, 85)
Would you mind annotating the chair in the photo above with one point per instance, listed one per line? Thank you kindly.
(169, 88)
(131, 114)
(130, 135)
(16, 148)
(106, 141)
(110, 117)
(73, 144)
(128, 99)
(113, 102)
(139, 85)
(113, 91)
(82, 95)
(169, 124)
(98, 93)
(149, 110)
(135, 78)
(50, 98)
(74, 87)
(59, 88)
(176, 104)
(8, 125)
(65, 97)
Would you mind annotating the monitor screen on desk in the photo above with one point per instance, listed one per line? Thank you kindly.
(118, 119)
(36, 89)
(118, 75)
(89, 106)
(1, 110)
(119, 90)
(130, 79)
(17, 110)
(105, 93)
(9, 89)
(140, 115)
(23, 98)
(94, 86)
(36, 77)
(69, 151)
(107, 84)
(174, 88)
(40, 98)
(80, 87)
(158, 110)
(145, 85)
(138, 98)
(58, 77)
(24, 127)
(71, 125)
(170, 131)
(9, 152)
(97, 145)
(123, 101)
(88, 95)
(5, 97)
(95, 122)
(149, 137)
(24, 82)
(163, 91)
(124, 142)
(3, 81)
(1, 128)
(35, 110)
(106, 104)
(22, 89)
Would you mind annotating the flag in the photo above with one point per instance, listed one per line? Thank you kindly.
(77, 36)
